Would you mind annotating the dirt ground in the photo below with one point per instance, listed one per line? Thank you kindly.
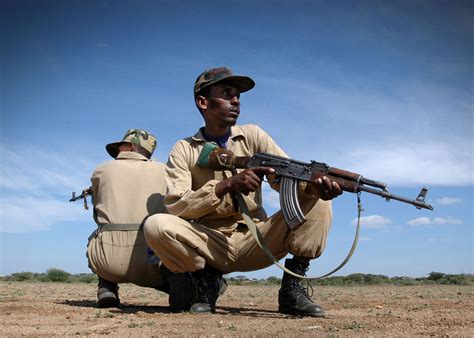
(69, 309)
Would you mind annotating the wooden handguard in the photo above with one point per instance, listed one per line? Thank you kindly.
(344, 174)
(348, 181)
(345, 184)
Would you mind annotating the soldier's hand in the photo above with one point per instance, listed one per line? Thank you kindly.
(324, 188)
(245, 182)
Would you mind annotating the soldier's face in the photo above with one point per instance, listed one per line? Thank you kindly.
(223, 105)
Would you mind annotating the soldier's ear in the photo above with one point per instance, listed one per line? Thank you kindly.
(201, 102)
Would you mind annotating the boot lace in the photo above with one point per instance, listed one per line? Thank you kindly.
(200, 289)
(307, 290)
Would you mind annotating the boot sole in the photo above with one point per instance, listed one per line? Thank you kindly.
(299, 313)
(108, 302)
(201, 308)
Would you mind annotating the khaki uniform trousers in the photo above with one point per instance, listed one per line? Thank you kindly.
(121, 257)
(188, 246)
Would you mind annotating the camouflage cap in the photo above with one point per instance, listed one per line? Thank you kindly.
(136, 136)
(215, 75)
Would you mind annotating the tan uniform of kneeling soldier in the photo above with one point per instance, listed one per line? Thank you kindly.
(126, 191)
(205, 235)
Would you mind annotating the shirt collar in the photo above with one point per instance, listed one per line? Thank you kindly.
(235, 131)
(131, 155)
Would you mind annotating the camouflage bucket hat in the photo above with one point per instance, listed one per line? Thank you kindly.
(136, 136)
(215, 75)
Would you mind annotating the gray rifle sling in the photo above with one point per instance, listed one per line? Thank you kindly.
(261, 243)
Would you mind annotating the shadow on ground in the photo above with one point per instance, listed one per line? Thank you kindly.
(221, 310)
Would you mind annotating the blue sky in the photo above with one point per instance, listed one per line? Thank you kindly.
(382, 88)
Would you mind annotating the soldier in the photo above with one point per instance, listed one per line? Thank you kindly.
(205, 235)
(125, 192)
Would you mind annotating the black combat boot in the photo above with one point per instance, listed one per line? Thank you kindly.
(209, 285)
(107, 294)
(196, 291)
(181, 291)
(293, 298)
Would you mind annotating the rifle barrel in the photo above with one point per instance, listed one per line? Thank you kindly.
(75, 198)
(389, 196)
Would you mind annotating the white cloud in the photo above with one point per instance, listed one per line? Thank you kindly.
(448, 200)
(419, 221)
(30, 171)
(434, 221)
(28, 214)
(407, 165)
(413, 136)
(373, 221)
(271, 198)
(447, 220)
(35, 188)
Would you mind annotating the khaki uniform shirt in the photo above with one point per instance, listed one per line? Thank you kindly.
(128, 189)
(191, 189)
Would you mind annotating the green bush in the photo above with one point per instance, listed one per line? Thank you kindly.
(273, 280)
(436, 276)
(21, 276)
(355, 278)
(375, 279)
(403, 281)
(57, 275)
(457, 279)
(335, 280)
(83, 278)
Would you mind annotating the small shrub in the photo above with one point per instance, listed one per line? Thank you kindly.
(84, 278)
(57, 275)
(21, 276)
(272, 280)
(457, 280)
(436, 276)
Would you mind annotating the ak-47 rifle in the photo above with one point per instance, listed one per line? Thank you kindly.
(82, 196)
(288, 172)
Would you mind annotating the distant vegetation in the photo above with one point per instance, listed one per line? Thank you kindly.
(369, 279)
(51, 275)
(57, 275)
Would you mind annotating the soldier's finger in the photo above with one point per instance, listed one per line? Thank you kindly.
(263, 170)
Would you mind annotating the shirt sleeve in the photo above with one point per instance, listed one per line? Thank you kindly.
(181, 200)
(95, 180)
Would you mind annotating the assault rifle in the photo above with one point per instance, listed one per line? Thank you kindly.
(83, 196)
(288, 172)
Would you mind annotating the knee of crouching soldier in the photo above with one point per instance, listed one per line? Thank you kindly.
(156, 226)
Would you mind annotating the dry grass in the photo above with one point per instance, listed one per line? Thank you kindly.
(69, 309)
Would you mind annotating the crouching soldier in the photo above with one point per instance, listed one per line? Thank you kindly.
(125, 192)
